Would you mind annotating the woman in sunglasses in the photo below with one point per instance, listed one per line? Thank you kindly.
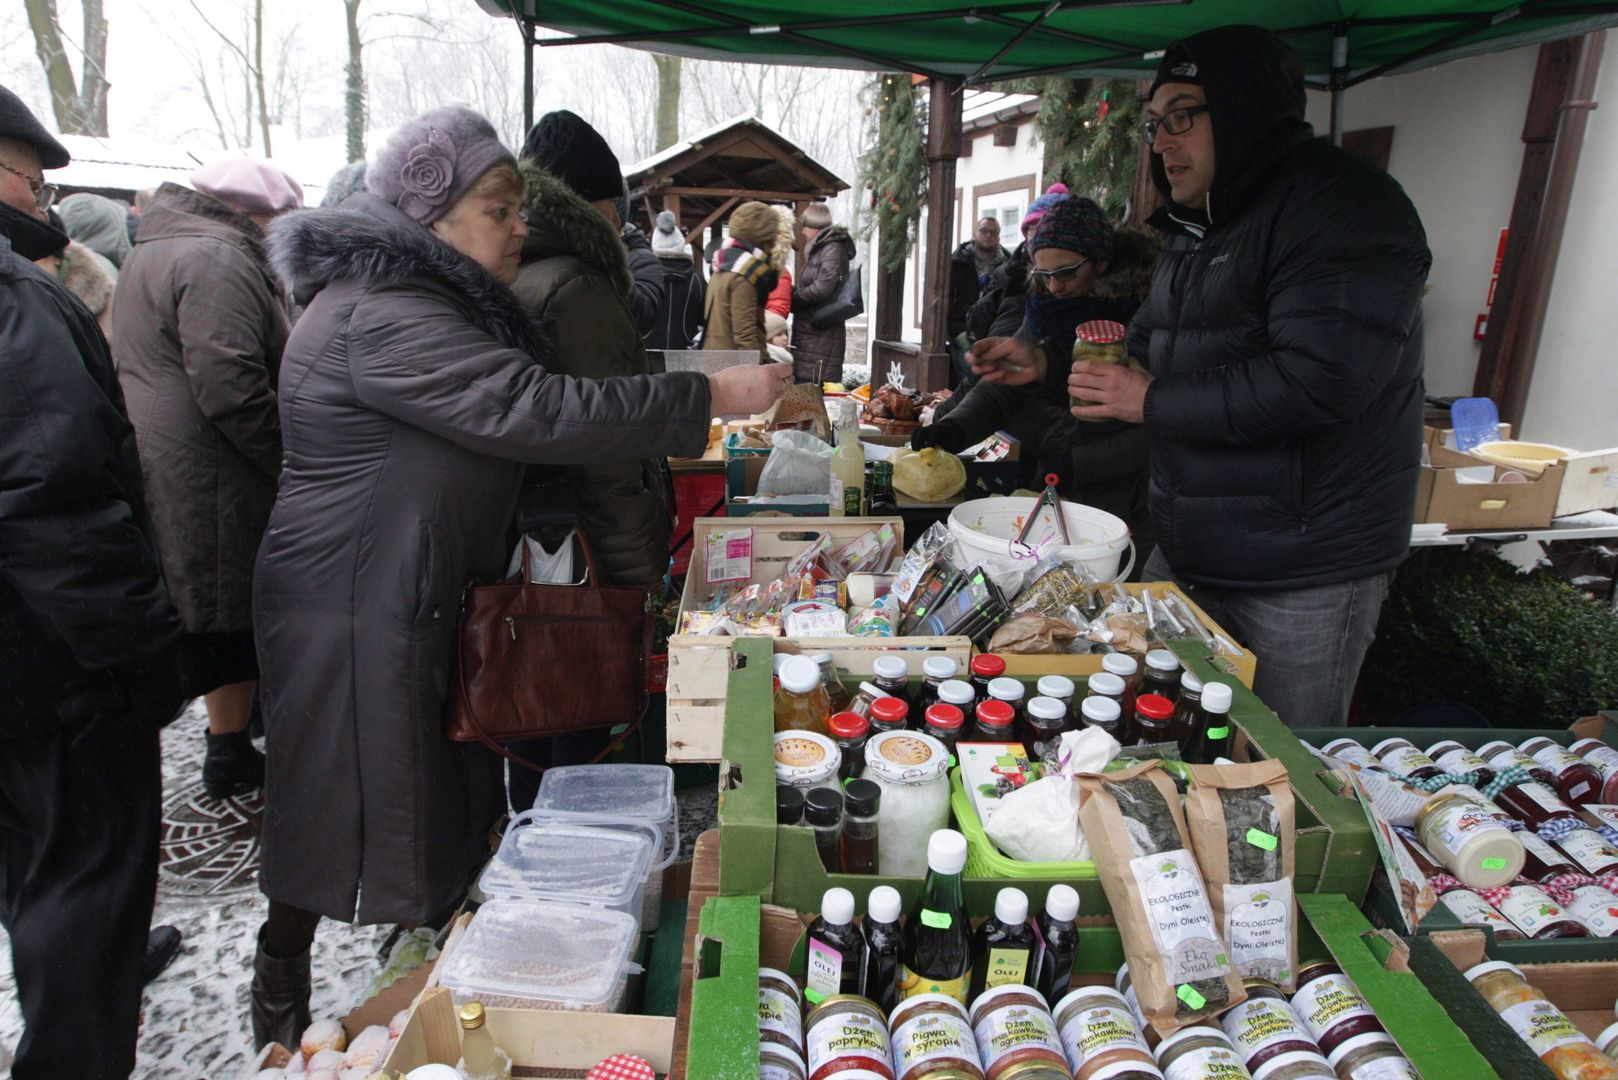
(1081, 270)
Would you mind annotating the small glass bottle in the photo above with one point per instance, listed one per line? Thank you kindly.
(996, 723)
(1058, 944)
(832, 679)
(1211, 739)
(1103, 713)
(849, 731)
(1042, 724)
(1002, 945)
(823, 812)
(788, 805)
(984, 667)
(1127, 668)
(946, 723)
(884, 943)
(1162, 675)
(934, 671)
(1106, 684)
(481, 1059)
(1154, 719)
(1186, 710)
(959, 693)
(889, 714)
(1062, 689)
(1011, 692)
(892, 676)
(801, 702)
(858, 847)
(836, 949)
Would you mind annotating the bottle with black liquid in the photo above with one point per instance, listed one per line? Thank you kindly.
(823, 812)
(1058, 945)
(788, 805)
(1003, 946)
(937, 956)
(1210, 735)
(861, 798)
(884, 942)
(836, 949)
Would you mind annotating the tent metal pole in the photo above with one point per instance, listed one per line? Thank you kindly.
(1339, 75)
(528, 35)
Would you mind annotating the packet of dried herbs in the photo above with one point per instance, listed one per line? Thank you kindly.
(1177, 960)
(1242, 821)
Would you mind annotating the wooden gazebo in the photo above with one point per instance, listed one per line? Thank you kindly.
(703, 178)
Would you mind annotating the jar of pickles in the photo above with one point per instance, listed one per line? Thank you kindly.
(1577, 780)
(1100, 341)
(1565, 1050)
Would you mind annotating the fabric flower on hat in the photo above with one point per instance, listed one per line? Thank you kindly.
(427, 174)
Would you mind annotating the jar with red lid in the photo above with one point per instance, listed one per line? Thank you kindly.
(1099, 341)
(1452, 757)
(1577, 780)
(1154, 719)
(996, 722)
(889, 714)
(1534, 804)
(1401, 756)
(847, 1036)
(984, 667)
(1590, 850)
(849, 731)
(1533, 911)
(945, 722)
(891, 674)
(1331, 1007)
(1604, 758)
(1501, 754)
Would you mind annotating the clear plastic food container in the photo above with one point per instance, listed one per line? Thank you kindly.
(539, 954)
(576, 864)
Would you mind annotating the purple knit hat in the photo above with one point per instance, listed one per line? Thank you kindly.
(250, 185)
(1053, 195)
(431, 161)
(1075, 224)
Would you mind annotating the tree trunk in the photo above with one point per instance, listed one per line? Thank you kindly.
(258, 74)
(70, 119)
(354, 92)
(93, 83)
(668, 100)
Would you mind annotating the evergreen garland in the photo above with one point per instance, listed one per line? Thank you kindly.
(1091, 129)
(894, 169)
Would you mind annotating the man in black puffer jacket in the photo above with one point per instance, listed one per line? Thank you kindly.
(1283, 341)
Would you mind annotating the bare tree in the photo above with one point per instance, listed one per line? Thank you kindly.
(81, 111)
(258, 73)
(354, 83)
(668, 100)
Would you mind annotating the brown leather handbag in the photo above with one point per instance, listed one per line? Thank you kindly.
(547, 659)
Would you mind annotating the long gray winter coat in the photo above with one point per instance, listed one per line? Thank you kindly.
(412, 394)
(198, 331)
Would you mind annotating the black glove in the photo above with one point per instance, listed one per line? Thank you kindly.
(944, 435)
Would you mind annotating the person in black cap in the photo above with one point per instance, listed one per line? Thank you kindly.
(86, 660)
(1278, 360)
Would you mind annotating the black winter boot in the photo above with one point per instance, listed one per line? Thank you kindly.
(233, 766)
(280, 998)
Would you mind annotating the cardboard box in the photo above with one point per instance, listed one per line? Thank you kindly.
(1335, 849)
(1441, 497)
(1589, 477)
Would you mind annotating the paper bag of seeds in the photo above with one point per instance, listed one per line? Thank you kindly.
(1177, 959)
(1243, 832)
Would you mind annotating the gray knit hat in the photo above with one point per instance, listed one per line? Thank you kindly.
(99, 224)
(431, 161)
(667, 238)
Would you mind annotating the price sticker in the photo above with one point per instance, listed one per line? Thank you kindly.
(1261, 839)
(938, 920)
(1189, 995)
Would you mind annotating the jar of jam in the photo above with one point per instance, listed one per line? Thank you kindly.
(1541, 861)
(1198, 1052)
(1402, 757)
(1016, 1035)
(780, 1016)
(1264, 1026)
(889, 714)
(779, 1063)
(1103, 713)
(945, 723)
(1452, 757)
(1124, 666)
(1186, 709)
(1596, 908)
(984, 667)
(1059, 687)
(1009, 691)
(849, 731)
(1298, 1065)
(1472, 910)
(1586, 847)
(1127, 1070)
(1501, 754)
(957, 692)
(996, 723)
(1154, 719)
(1162, 675)
(1351, 752)
(1372, 1057)
(1565, 1050)
(932, 1038)
(892, 676)
(1124, 985)
(1534, 804)
(1605, 759)
(935, 670)
(1539, 917)
(1043, 722)
(1466, 839)
(1098, 1030)
(1577, 780)
(845, 1034)
(832, 680)
(1331, 1007)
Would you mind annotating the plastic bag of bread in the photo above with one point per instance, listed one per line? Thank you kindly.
(929, 476)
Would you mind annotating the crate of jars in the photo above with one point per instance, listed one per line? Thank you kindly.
(921, 766)
(1536, 1016)
(1514, 832)
(863, 984)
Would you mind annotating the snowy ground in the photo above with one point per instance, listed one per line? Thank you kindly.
(195, 1015)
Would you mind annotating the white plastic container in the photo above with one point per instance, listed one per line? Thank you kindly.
(912, 770)
(609, 794)
(986, 530)
(575, 864)
(536, 954)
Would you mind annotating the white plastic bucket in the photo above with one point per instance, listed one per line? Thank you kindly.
(986, 531)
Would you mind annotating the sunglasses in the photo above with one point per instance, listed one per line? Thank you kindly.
(44, 194)
(1061, 273)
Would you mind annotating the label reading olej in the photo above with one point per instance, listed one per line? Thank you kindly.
(1258, 929)
(1179, 917)
(825, 976)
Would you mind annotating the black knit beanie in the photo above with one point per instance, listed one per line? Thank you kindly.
(566, 146)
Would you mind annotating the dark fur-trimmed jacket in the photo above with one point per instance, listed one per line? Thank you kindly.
(577, 287)
(413, 392)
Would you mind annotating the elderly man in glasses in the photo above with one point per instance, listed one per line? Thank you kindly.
(1282, 368)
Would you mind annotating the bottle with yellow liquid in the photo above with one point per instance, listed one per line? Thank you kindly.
(847, 498)
(481, 1059)
(801, 701)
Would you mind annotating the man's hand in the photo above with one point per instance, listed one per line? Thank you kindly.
(747, 388)
(1119, 392)
(1008, 361)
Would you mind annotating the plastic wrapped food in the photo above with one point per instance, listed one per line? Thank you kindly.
(1054, 590)
(1032, 632)
(930, 476)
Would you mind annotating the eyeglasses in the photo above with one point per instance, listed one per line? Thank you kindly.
(1061, 273)
(44, 194)
(1175, 122)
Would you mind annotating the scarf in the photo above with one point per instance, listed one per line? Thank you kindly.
(749, 263)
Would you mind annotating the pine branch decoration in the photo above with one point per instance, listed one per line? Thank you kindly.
(894, 169)
(1091, 129)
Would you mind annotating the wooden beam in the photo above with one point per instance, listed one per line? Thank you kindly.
(748, 193)
(1553, 136)
(943, 147)
(724, 208)
(1145, 198)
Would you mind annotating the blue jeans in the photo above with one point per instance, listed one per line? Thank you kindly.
(1310, 642)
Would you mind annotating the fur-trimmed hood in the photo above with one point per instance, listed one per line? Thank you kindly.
(374, 243)
(561, 222)
(1128, 276)
(88, 275)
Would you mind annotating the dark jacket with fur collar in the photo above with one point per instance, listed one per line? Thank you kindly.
(413, 391)
(576, 285)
